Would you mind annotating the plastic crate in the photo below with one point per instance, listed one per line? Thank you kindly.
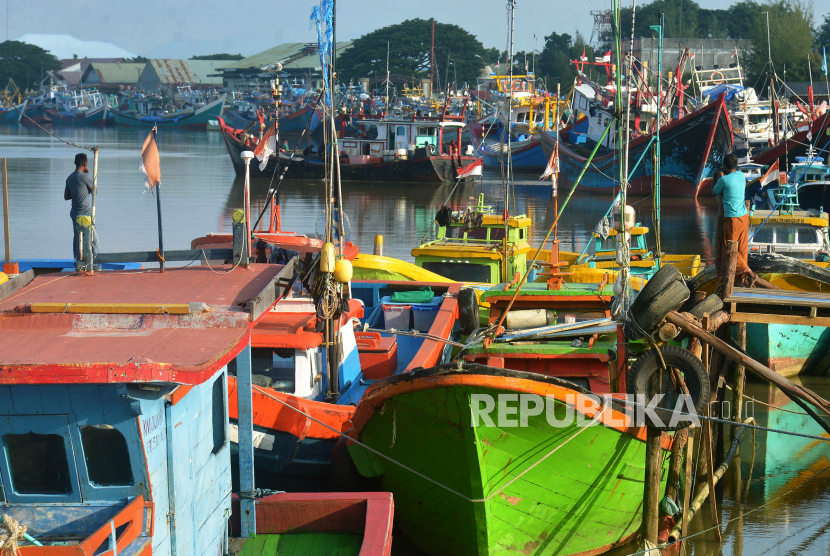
(397, 317)
(423, 316)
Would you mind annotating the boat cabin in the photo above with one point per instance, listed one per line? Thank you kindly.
(391, 139)
(113, 407)
(799, 235)
(477, 245)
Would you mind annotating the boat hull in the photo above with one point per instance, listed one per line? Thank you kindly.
(296, 121)
(545, 489)
(12, 115)
(526, 157)
(788, 349)
(797, 145)
(432, 169)
(197, 120)
(692, 148)
(93, 117)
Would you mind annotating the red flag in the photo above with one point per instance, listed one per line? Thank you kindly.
(266, 147)
(150, 161)
(606, 57)
(553, 167)
(771, 175)
(471, 169)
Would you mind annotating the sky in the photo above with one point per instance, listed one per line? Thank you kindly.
(180, 29)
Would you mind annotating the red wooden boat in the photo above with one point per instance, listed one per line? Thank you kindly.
(355, 523)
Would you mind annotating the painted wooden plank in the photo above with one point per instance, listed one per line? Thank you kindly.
(6, 405)
(113, 308)
(27, 400)
(174, 255)
(271, 546)
(9, 287)
(246, 440)
(762, 318)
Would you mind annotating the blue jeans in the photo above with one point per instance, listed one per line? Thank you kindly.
(76, 250)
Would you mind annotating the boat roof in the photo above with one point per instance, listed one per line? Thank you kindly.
(540, 290)
(796, 218)
(179, 326)
(635, 231)
(520, 221)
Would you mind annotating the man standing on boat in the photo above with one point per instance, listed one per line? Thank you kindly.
(731, 189)
(79, 191)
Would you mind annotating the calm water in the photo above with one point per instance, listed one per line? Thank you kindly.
(200, 191)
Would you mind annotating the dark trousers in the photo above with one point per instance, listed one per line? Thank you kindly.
(76, 245)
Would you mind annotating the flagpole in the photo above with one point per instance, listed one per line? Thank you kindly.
(158, 211)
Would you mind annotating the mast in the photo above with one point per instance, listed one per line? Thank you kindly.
(432, 61)
(657, 170)
(387, 78)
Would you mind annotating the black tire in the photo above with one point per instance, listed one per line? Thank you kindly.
(694, 374)
(659, 282)
(711, 304)
(468, 310)
(652, 313)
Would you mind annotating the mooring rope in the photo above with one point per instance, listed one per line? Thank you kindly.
(11, 533)
(596, 417)
(70, 143)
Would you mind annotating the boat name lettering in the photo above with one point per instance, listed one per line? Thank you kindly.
(154, 431)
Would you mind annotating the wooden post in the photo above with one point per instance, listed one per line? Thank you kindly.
(728, 281)
(244, 388)
(6, 211)
(92, 229)
(675, 462)
(161, 235)
(710, 476)
(651, 486)
(378, 245)
(687, 487)
(740, 379)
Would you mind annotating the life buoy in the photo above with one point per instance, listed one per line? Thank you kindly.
(517, 85)
(712, 77)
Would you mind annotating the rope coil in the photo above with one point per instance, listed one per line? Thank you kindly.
(11, 533)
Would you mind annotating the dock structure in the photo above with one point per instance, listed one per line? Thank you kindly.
(113, 406)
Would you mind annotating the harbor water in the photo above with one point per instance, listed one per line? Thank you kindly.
(774, 498)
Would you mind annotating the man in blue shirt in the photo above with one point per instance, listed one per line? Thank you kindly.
(79, 191)
(732, 190)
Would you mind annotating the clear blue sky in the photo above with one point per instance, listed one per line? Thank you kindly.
(176, 28)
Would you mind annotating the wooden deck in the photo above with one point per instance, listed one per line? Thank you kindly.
(778, 307)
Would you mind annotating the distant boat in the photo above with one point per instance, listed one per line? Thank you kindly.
(297, 120)
(198, 119)
(79, 118)
(526, 156)
(12, 114)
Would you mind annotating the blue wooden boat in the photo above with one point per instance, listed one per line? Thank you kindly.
(691, 150)
(80, 118)
(296, 121)
(13, 114)
(198, 119)
(113, 416)
(526, 156)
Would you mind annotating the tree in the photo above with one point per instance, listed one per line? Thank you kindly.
(822, 33)
(138, 60)
(554, 62)
(791, 36)
(25, 63)
(218, 57)
(409, 53)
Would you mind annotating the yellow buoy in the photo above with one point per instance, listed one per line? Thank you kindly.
(3, 278)
(327, 258)
(343, 271)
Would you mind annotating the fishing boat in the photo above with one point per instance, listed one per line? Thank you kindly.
(386, 151)
(114, 408)
(471, 245)
(489, 488)
(342, 524)
(12, 103)
(692, 149)
(195, 119)
(79, 109)
(13, 113)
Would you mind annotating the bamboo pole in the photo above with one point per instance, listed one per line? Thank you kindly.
(710, 477)
(676, 462)
(687, 487)
(740, 377)
(651, 486)
(6, 212)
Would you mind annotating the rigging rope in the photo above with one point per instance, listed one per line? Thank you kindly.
(70, 143)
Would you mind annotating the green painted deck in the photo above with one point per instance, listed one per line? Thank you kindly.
(304, 544)
(532, 289)
(584, 497)
(549, 347)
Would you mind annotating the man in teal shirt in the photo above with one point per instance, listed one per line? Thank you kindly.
(732, 190)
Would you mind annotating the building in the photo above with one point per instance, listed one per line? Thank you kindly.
(73, 69)
(159, 74)
(707, 53)
(797, 91)
(300, 67)
(69, 47)
(112, 75)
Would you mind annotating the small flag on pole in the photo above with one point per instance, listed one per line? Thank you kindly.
(553, 166)
(266, 147)
(471, 169)
(735, 53)
(150, 161)
(771, 175)
(606, 57)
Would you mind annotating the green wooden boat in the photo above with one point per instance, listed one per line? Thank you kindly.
(530, 490)
(195, 120)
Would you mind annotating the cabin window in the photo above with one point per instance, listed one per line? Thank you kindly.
(807, 235)
(106, 455)
(462, 272)
(282, 373)
(401, 131)
(785, 234)
(764, 235)
(38, 463)
(496, 234)
(219, 398)
(520, 118)
(372, 132)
